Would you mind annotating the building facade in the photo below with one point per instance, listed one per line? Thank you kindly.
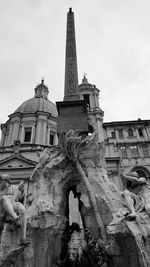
(30, 129)
(127, 146)
(33, 126)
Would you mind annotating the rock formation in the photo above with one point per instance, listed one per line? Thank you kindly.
(107, 239)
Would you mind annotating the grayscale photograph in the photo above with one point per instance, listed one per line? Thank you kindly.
(74, 133)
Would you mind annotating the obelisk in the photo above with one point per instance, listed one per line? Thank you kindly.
(72, 112)
(71, 69)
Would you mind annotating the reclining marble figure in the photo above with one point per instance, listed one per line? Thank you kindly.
(11, 197)
(137, 196)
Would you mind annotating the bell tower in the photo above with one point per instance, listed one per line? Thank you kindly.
(90, 93)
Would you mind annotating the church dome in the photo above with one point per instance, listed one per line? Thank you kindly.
(33, 105)
(39, 102)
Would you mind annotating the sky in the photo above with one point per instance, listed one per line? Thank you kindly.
(113, 48)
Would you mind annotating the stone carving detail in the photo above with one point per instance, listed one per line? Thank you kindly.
(16, 146)
(133, 219)
(12, 217)
(137, 198)
(76, 249)
(12, 210)
(10, 258)
(97, 250)
(71, 145)
(84, 249)
(73, 167)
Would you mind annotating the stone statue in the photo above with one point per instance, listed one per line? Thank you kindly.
(84, 249)
(137, 196)
(11, 208)
(77, 254)
(20, 194)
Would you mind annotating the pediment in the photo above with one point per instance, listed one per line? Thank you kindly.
(16, 161)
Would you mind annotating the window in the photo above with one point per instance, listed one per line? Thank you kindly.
(87, 99)
(134, 151)
(120, 133)
(123, 152)
(140, 132)
(27, 134)
(130, 133)
(145, 150)
(51, 138)
(115, 148)
(113, 135)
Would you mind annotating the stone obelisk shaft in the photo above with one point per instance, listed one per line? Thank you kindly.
(72, 112)
(71, 70)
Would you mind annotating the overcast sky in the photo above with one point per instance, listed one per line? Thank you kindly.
(113, 48)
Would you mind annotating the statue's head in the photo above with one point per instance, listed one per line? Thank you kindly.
(75, 249)
(4, 180)
(73, 254)
(21, 186)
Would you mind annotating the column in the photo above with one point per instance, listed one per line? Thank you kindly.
(3, 136)
(145, 134)
(15, 130)
(48, 135)
(117, 135)
(9, 140)
(38, 132)
(125, 135)
(33, 135)
(43, 130)
(55, 139)
(21, 132)
(97, 100)
(148, 132)
(92, 101)
(100, 128)
(137, 135)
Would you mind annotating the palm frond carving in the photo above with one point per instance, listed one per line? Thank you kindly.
(71, 144)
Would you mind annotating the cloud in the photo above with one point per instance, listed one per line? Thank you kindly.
(113, 47)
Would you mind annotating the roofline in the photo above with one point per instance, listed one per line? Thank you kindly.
(18, 156)
(114, 123)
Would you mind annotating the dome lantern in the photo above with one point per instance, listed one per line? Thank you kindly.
(41, 90)
(84, 79)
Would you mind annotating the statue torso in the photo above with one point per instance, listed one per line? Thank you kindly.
(143, 190)
(10, 192)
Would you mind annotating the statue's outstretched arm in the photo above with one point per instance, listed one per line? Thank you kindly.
(130, 177)
(142, 180)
